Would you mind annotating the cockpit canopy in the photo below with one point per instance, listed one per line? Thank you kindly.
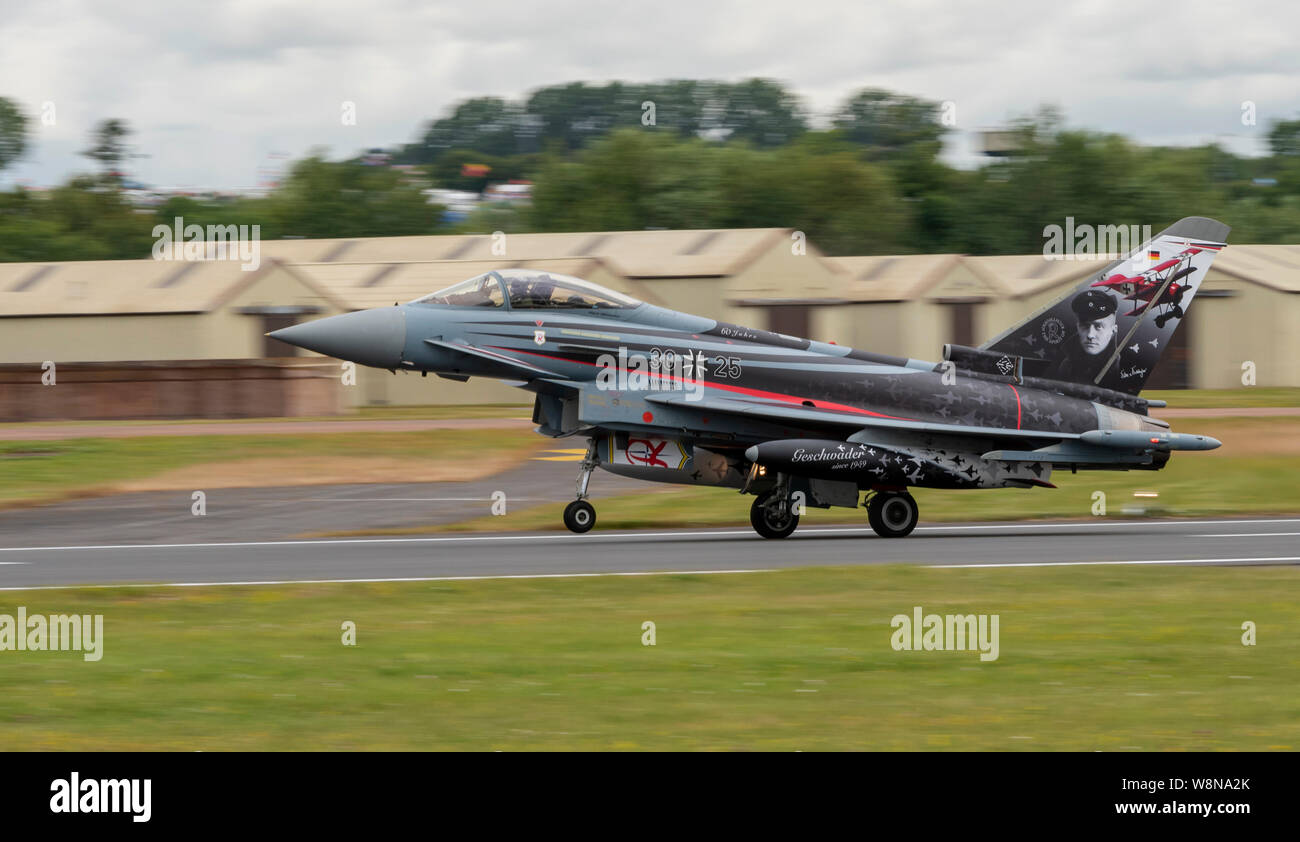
(529, 289)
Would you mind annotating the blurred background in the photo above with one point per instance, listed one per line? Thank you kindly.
(881, 181)
(720, 198)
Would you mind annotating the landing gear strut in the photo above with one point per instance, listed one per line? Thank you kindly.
(892, 514)
(580, 516)
(773, 515)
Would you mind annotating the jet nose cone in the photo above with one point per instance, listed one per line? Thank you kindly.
(370, 337)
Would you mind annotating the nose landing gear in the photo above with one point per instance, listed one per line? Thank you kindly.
(580, 516)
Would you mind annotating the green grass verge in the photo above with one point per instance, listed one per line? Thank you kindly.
(45, 471)
(368, 413)
(438, 413)
(1111, 659)
(1222, 398)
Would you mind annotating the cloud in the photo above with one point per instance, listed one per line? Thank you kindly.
(213, 88)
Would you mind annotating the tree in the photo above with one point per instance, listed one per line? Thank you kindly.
(109, 148)
(485, 124)
(760, 111)
(888, 121)
(576, 114)
(1284, 137)
(13, 132)
(323, 198)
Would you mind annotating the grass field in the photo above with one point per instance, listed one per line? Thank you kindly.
(1222, 398)
(45, 471)
(1113, 659)
(367, 413)
(1255, 471)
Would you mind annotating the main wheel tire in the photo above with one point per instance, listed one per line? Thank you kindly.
(893, 514)
(579, 516)
(768, 522)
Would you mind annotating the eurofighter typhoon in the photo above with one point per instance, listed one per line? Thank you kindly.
(666, 396)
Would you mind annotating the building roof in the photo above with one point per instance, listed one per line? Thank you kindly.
(891, 277)
(109, 287)
(1019, 275)
(636, 254)
(1273, 266)
(358, 273)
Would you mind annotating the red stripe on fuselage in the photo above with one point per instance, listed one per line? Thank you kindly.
(1017, 394)
(753, 393)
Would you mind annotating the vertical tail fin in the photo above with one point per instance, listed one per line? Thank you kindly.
(1111, 329)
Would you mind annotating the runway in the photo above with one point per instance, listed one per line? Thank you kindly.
(1259, 541)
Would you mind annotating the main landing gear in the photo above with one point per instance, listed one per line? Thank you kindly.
(772, 515)
(580, 516)
(892, 514)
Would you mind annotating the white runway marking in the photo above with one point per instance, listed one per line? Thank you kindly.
(394, 579)
(1143, 561)
(1060, 523)
(404, 499)
(381, 580)
(1245, 535)
(606, 536)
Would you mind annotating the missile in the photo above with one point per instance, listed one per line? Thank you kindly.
(1148, 440)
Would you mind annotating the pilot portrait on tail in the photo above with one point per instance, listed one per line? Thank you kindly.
(1095, 341)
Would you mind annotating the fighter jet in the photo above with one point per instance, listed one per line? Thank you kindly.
(666, 396)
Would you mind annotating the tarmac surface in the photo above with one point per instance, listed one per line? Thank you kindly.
(261, 535)
(247, 536)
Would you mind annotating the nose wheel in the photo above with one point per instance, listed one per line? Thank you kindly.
(892, 514)
(580, 516)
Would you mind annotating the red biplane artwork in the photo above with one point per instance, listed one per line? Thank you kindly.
(1156, 287)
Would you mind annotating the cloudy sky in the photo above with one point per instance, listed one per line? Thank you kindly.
(216, 89)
